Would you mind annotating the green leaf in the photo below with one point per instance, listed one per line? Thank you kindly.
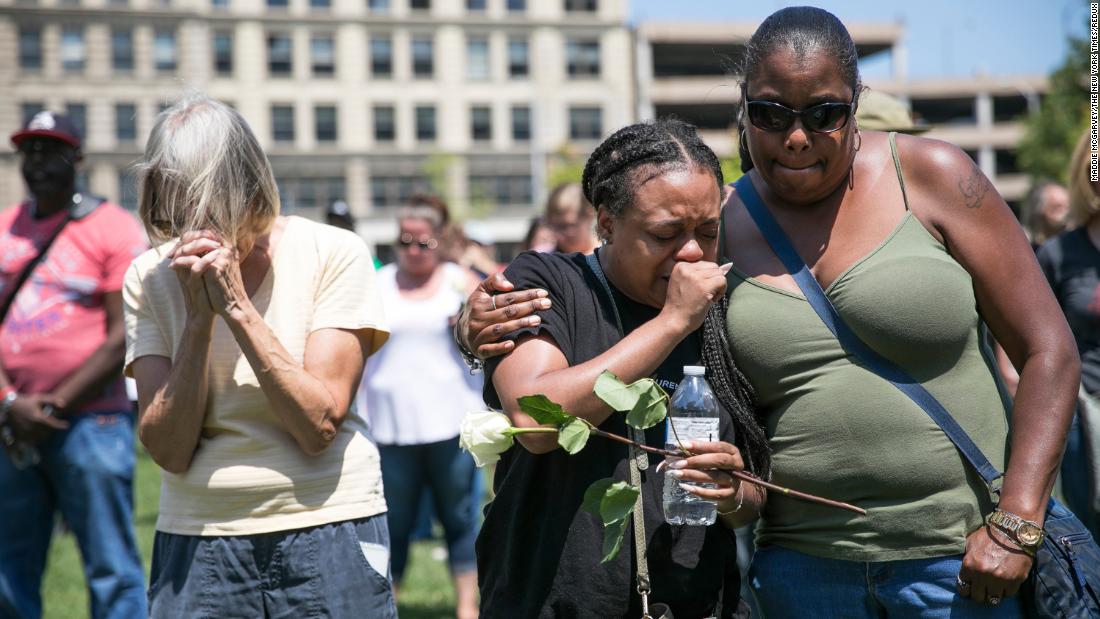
(613, 540)
(618, 501)
(617, 394)
(544, 410)
(573, 435)
(651, 407)
(594, 495)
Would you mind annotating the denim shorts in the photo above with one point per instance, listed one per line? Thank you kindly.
(788, 583)
(337, 570)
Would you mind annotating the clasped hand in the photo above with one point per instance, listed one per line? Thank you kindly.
(710, 463)
(209, 273)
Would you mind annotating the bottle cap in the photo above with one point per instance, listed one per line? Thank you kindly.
(694, 370)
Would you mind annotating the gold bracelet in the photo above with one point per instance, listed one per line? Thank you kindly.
(740, 496)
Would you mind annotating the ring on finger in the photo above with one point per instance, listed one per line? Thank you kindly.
(994, 600)
(493, 298)
(962, 584)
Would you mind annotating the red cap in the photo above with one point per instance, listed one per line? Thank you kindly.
(47, 124)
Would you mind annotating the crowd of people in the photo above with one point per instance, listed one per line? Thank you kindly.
(304, 402)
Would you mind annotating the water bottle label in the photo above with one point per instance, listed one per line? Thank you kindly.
(692, 429)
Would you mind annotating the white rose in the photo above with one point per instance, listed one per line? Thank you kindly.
(486, 435)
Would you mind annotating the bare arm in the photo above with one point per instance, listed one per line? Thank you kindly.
(172, 398)
(311, 398)
(981, 233)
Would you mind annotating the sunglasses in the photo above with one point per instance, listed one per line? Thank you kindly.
(820, 118)
(406, 241)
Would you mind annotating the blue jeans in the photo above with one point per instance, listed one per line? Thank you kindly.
(788, 583)
(450, 474)
(87, 473)
(337, 570)
(1077, 478)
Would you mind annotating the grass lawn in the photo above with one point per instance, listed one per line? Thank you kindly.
(426, 594)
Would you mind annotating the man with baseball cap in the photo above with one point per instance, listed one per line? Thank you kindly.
(66, 424)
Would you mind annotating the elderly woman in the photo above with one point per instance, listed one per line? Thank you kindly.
(918, 253)
(539, 554)
(247, 334)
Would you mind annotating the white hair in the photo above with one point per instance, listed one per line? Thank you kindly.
(204, 170)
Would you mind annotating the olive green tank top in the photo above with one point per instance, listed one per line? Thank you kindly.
(839, 431)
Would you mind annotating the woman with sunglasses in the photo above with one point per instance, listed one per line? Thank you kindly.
(919, 254)
(416, 390)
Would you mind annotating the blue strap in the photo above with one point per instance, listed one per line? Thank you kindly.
(851, 343)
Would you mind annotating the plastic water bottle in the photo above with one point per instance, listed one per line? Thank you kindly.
(693, 417)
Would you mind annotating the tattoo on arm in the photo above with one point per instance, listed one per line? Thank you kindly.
(973, 188)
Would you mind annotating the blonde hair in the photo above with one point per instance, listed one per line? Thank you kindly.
(568, 198)
(1084, 204)
(204, 170)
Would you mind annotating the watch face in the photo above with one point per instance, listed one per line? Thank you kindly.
(1029, 535)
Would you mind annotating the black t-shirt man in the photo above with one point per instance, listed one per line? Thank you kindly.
(538, 552)
(1072, 266)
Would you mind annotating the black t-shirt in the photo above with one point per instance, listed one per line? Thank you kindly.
(538, 552)
(1072, 266)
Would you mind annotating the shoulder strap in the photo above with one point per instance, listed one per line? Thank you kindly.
(851, 343)
(82, 206)
(639, 461)
(897, 167)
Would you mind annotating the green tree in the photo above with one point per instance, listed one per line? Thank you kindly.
(1052, 133)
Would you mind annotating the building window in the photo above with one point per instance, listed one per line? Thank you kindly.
(278, 4)
(516, 6)
(324, 123)
(118, 3)
(521, 123)
(477, 58)
(385, 123)
(420, 5)
(28, 109)
(223, 53)
(503, 190)
(164, 51)
(381, 57)
(279, 54)
(219, 4)
(381, 7)
(127, 190)
(309, 196)
(580, 6)
(423, 65)
(72, 48)
(395, 191)
(78, 113)
(583, 58)
(1005, 162)
(425, 123)
(320, 5)
(481, 123)
(30, 48)
(585, 123)
(475, 6)
(517, 58)
(322, 52)
(282, 123)
(122, 50)
(125, 122)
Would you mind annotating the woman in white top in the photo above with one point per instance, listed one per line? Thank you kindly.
(416, 392)
(247, 334)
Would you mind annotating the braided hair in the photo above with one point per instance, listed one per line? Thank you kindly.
(612, 175)
(803, 29)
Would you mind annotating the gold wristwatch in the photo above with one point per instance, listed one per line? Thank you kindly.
(1029, 535)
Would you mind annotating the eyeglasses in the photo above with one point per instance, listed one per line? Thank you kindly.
(406, 241)
(820, 118)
